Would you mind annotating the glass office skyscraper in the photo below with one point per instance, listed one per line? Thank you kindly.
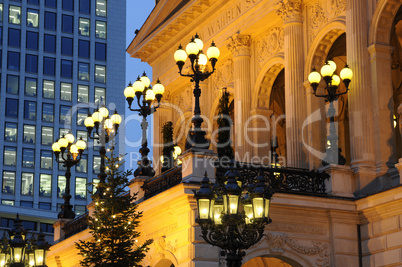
(59, 59)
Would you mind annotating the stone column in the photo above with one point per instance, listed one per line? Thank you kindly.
(290, 11)
(359, 97)
(383, 107)
(205, 106)
(240, 47)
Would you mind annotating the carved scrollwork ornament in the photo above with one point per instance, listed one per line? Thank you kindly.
(239, 45)
(290, 10)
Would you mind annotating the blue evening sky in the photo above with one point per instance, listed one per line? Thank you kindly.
(137, 13)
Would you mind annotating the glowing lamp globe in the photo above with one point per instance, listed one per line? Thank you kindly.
(145, 80)
(104, 112)
(81, 145)
(108, 124)
(158, 88)
(177, 150)
(138, 86)
(97, 116)
(129, 92)
(326, 70)
(63, 143)
(202, 59)
(314, 77)
(213, 51)
(192, 48)
(74, 149)
(346, 73)
(70, 138)
(180, 55)
(56, 147)
(89, 122)
(332, 64)
(199, 42)
(116, 118)
(336, 80)
(150, 96)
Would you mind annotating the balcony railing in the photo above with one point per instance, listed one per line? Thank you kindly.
(282, 179)
(162, 182)
(75, 226)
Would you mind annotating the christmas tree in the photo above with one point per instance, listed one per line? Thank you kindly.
(113, 223)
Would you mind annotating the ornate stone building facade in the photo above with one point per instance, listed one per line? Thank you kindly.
(268, 49)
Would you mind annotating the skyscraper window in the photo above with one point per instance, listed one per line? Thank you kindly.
(30, 86)
(14, 15)
(32, 17)
(50, 20)
(13, 84)
(84, 27)
(101, 8)
(32, 40)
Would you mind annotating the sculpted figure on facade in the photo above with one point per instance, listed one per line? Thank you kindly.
(269, 45)
(223, 77)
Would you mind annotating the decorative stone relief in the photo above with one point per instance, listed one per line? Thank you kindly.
(269, 45)
(320, 13)
(296, 228)
(239, 45)
(289, 10)
(159, 248)
(278, 243)
(223, 77)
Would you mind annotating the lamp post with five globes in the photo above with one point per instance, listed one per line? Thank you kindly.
(105, 129)
(70, 155)
(142, 88)
(196, 136)
(332, 81)
(17, 251)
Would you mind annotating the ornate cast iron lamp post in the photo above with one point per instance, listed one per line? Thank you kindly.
(196, 136)
(333, 154)
(17, 251)
(231, 217)
(70, 155)
(142, 87)
(105, 129)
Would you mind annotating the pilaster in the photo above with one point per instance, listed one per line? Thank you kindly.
(290, 11)
(240, 48)
(383, 107)
(360, 95)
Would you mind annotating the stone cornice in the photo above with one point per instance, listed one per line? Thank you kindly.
(150, 38)
(290, 10)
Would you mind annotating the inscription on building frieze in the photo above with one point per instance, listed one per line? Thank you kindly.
(229, 15)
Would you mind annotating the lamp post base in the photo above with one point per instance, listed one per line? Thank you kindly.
(66, 212)
(196, 139)
(334, 156)
(144, 168)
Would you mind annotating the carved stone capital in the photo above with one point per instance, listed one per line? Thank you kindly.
(290, 10)
(239, 45)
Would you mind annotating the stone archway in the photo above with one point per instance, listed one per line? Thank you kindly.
(268, 261)
(383, 49)
(165, 263)
(266, 103)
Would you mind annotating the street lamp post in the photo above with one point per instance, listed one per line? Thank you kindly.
(70, 155)
(332, 81)
(17, 251)
(233, 217)
(142, 88)
(105, 129)
(196, 136)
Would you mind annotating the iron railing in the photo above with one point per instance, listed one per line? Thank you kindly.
(281, 179)
(75, 226)
(162, 182)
